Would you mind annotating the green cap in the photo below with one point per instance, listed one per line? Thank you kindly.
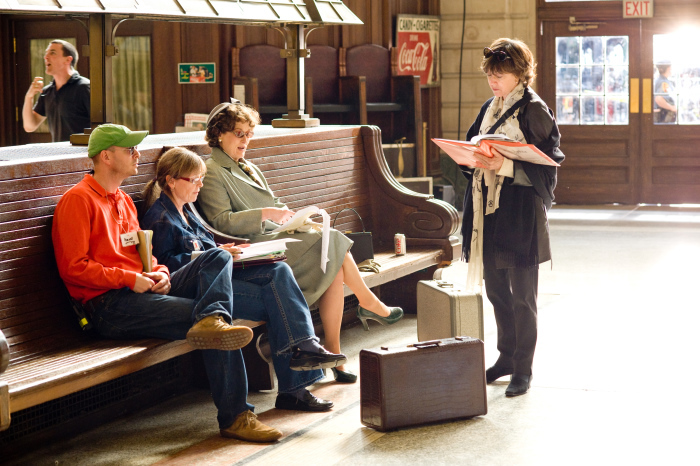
(108, 135)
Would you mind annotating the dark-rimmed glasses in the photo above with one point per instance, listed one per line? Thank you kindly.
(241, 134)
(193, 180)
(500, 55)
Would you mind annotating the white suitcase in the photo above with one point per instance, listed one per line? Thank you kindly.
(447, 310)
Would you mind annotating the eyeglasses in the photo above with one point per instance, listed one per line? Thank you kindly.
(193, 180)
(499, 54)
(240, 134)
(131, 150)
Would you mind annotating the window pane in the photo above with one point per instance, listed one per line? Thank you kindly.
(131, 81)
(618, 111)
(616, 51)
(592, 110)
(37, 49)
(592, 51)
(567, 50)
(567, 81)
(567, 110)
(617, 80)
(592, 79)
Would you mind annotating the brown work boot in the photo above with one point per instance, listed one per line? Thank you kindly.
(247, 427)
(213, 332)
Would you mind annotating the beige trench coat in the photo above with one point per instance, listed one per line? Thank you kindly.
(233, 203)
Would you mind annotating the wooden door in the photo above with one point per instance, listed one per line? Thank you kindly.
(590, 79)
(670, 140)
(32, 37)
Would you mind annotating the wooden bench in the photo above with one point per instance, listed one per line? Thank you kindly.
(331, 167)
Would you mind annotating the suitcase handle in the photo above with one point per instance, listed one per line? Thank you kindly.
(426, 344)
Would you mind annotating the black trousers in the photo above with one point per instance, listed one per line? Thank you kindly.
(513, 293)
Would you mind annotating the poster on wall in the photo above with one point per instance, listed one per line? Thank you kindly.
(418, 48)
(196, 73)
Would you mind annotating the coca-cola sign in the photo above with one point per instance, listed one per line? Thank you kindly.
(417, 44)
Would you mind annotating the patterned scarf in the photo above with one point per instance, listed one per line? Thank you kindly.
(511, 129)
(243, 165)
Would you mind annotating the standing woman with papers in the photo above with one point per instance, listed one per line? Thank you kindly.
(237, 200)
(505, 227)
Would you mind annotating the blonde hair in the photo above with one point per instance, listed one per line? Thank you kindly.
(174, 163)
(520, 63)
(225, 121)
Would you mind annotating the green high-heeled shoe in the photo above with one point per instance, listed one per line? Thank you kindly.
(363, 314)
(344, 376)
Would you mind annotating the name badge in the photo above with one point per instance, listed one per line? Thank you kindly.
(195, 245)
(130, 239)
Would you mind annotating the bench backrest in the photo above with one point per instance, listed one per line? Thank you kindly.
(374, 63)
(323, 68)
(264, 63)
(326, 169)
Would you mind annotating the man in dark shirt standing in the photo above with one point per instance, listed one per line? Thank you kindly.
(65, 101)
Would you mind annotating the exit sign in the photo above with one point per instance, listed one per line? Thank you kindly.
(638, 9)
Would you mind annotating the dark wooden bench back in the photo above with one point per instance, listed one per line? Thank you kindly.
(323, 68)
(35, 314)
(374, 63)
(264, 63)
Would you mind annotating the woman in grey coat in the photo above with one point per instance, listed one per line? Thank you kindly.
(237, 200)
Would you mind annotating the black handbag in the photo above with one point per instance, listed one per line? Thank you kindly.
(362, 248)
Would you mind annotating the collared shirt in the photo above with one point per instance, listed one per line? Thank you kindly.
(66, 109)
(87, 226)
(174, 240)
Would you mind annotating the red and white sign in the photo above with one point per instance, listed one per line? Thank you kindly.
(638, 9)
(418, 48)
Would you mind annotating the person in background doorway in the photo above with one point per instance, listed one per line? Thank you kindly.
(665, 110)
(65, 102)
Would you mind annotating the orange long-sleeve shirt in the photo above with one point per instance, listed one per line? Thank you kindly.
(87, 226)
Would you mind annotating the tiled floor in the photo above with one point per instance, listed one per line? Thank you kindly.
(614, 374)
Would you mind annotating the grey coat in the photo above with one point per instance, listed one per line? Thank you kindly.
(233, 203)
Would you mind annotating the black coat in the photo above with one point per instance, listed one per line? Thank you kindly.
(521, 213)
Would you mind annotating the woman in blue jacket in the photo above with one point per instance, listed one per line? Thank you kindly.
(265, 292)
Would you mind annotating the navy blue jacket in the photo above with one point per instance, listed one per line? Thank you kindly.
(173, 239)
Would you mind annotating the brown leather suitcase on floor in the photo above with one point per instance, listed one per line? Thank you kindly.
(423, 383)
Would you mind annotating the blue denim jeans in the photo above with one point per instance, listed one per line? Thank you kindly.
(202, 288)
(269, 292)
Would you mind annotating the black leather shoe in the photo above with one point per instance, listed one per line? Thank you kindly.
(309, 403)
(310, 360)
(494, 373)
(519, 385)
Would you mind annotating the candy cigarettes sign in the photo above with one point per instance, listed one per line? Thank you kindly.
(418, 47)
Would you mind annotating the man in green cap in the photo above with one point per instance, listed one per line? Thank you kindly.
(94, 234)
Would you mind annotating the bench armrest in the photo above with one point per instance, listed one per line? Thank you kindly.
(422, 218)
(251, 90)
(219, 237)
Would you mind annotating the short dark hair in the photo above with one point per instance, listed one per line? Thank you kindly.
(225, 121)
(69, 50)
(521, 62)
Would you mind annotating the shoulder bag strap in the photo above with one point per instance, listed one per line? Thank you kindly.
(525, 99)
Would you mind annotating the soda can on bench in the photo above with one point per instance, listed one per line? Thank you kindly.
(399, 244)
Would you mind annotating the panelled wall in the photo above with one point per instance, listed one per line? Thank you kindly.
(483, 22)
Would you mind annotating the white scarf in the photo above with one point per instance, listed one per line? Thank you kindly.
(510, 128)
